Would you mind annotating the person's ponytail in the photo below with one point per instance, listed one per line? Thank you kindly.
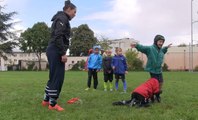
(68, 4)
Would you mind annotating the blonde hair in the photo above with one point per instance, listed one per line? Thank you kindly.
(107, 50)
(118, 49)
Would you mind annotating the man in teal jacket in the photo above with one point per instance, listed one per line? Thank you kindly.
(155, 55)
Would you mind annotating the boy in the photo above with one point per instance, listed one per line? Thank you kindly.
(119, 66)
(155, 55)
(142, 94)
(107, 69)
(94, 66)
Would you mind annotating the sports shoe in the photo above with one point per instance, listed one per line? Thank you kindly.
(73, 100)
(111, 90)
(56, 107)
(158, 98)
(45, 103)
(124, 92)
(87, 89)
(119, 103)
(105, 90)
(132, 103)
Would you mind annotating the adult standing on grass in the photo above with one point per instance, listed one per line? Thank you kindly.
(56, 54)
(155, 55)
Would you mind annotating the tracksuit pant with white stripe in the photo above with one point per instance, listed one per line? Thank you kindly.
(56, 75)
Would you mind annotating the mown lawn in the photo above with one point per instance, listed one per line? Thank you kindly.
(21, 94)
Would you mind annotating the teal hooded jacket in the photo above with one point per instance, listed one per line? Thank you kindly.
(155, 57)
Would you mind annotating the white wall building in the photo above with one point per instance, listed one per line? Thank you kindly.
(13, 59)
(124, 43)
(177, 58)
(25, 57)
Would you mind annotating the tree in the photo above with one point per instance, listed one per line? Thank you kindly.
(82, 39)
(35, 40)
(165, 67)
(182, 45)
(134, 63)
(104, 43)
(7, 38)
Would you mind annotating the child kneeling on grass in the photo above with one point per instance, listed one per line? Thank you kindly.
(142, 94)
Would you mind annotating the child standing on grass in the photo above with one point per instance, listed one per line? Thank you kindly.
(107, 69)
(94, 66)
(119, 66)
(155, 55)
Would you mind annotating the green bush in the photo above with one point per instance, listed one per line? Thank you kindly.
(134, 63)
(196, 68)
(78, 66)
(165, 67)
(30, 66)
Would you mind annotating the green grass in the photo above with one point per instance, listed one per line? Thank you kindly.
(21, 94)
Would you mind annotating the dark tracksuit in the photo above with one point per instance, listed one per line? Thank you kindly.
(94, 65)
(119, 62)
(57, 47)
(107, 69)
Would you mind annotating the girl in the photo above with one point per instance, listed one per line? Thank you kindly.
(56, 54)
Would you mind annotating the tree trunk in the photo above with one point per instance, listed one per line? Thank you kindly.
(39, 60)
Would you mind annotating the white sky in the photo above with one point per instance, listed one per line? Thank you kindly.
(138, 19)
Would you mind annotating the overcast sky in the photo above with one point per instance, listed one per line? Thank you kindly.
(115, 19)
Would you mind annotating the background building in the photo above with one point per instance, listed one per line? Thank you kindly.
(124, 43)
(177, 58)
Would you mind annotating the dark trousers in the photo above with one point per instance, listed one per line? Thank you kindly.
(56, 74)
(138, 98)
(159, 77)
(92, 72)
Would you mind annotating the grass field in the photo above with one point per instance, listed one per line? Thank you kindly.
(21, 94)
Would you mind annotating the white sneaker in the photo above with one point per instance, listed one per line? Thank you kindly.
(105, 90)
(87, 89)
(111, 90)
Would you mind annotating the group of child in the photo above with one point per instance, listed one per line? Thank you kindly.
(148, 91)
(111, 65)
